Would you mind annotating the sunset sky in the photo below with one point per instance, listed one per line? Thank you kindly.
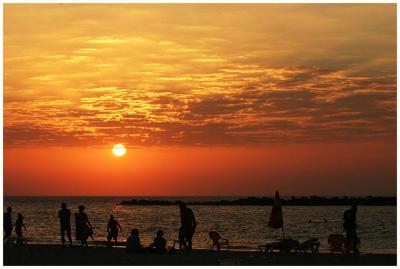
(211, 99)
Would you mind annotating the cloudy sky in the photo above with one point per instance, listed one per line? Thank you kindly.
(202, 76)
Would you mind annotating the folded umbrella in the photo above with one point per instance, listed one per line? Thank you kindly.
(276, 218)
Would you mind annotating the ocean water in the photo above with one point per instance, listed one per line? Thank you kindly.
(244, 226)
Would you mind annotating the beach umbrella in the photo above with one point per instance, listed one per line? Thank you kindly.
(276, 218)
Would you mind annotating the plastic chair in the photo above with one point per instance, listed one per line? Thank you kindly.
(311, 245)
(336, 242)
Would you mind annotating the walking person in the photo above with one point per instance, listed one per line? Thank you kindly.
(8, 223)
(350, 226)
(83, 227)
(188, 227)
(19, 223)
(112, 229)
(64, 214)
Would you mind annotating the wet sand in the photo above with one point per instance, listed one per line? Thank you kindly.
(56, 255)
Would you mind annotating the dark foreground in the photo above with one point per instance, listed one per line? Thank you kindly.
(55, 255)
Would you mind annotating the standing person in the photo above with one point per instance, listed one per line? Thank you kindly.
(112, 229)
(19, 223)
(8, 223)
(188, 226)
(350, 226)
(65, 223)
(83, 227)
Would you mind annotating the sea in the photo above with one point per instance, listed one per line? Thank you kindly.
(244, 226)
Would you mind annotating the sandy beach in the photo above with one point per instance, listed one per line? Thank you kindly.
(56, 255)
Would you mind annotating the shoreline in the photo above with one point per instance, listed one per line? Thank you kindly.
(45, 254)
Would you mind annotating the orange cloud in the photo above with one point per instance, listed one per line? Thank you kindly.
(233, 74)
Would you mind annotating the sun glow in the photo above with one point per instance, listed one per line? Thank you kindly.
(119, 150)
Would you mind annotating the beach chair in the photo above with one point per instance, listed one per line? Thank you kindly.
(269, 247)
(336, 242)
(218, 241)
(311, 245)
(282, 246)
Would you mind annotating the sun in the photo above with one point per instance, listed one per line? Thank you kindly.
(119, 150)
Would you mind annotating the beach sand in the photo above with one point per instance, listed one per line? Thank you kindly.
(56, 255)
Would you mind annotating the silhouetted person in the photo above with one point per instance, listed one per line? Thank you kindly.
(8, 223)
(188, 226)
(65, 223)
(83, 226)
(19, 223)
(112, 229)
(350, 226)
(133, 242)
(159, 244)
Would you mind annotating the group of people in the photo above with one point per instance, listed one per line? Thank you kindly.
(133, 244)
(84, 229)
(186, 232)
(9, 225)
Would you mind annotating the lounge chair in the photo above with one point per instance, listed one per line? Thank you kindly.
(336, 242)
(218, 241)
(282, 246)
(311, 245)
(269, 247)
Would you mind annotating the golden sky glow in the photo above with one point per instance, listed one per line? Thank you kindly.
(256, 85)
(198, 74)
